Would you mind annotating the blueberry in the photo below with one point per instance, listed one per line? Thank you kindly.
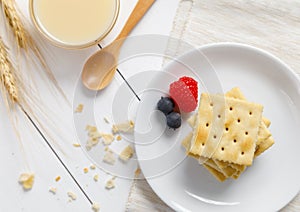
(165, 105)
(174, 120)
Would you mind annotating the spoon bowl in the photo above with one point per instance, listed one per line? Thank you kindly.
(99, 70)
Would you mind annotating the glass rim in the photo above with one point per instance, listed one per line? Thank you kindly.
(58, 43)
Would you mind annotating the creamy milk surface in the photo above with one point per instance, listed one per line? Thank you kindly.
(75, 22)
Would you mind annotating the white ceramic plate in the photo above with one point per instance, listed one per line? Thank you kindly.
(274, 178)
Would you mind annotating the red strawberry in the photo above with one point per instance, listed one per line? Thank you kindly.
(185, 93)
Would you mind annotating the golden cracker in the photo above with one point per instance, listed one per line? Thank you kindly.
(218, 175)
(226, 129)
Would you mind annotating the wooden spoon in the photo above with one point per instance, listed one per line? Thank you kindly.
(100, 68)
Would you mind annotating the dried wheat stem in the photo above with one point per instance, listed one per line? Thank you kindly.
(24, 40)
(7, 77)
(15, 22)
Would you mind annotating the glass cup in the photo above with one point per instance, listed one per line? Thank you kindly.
(74, 24)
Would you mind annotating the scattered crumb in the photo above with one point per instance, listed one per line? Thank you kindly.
(27, 180)
(110, 184)
(92, 166)
(137, 172)
(90, 128)
(91, 143)
(53, 190)
(126, 153)
(106, 120)
(94, 136)
(119, 138)
(109, 158)
(57, 178)
(107, 138)
(106, 148)
(96, 177)
(79, 108)
(95, 207)
(123, 127)
(77, 145)
(86, 170)
(72, 195)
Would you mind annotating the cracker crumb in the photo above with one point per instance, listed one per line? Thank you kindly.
(72, 195)
(92, 166)
(126, 153)
(94, 136)
(106, 148)
(119, 138)
(79, 108)
(85, 170)
(137, 172)
(107, 139)
(53, 190)
(96, 177)
(110, 184)
(106, 120)
(109, 158)
(90, 128)
(123, 127)
(27, 180)
(57, 178)
(95, 207)
(91, 142)
(77, 145)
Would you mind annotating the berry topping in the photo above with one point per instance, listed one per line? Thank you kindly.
(174, 120)
(185, 93)
(165, 105)
(192, 85)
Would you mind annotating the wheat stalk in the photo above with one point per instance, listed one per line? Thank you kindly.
(15, 23)
(24, 40)
(7, 76)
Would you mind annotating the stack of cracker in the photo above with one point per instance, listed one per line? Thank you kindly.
(228, 133)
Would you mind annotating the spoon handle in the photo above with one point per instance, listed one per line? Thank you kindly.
(138, 12)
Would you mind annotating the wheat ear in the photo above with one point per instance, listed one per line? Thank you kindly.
(25, 41)
(15, 23)
(7, 76)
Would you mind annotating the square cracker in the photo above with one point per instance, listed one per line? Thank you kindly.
(186, 144)
(208, 163)
(226, 129)
(263, 142)
(227, 170)
(266, 121)
(264, 146)
(218, 175)
(263, 132)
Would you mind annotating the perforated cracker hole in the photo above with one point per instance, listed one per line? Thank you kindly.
(222, 148)
(227, 129)
(250, 113)
(211, 104)
(242, 153)
(246, 133)
(239, 120)
(219, 116)
(230, 108)
(207, 124)
(203, 144)
(234, 141)
(215, 136)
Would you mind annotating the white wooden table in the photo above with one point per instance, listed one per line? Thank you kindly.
(67, 65)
